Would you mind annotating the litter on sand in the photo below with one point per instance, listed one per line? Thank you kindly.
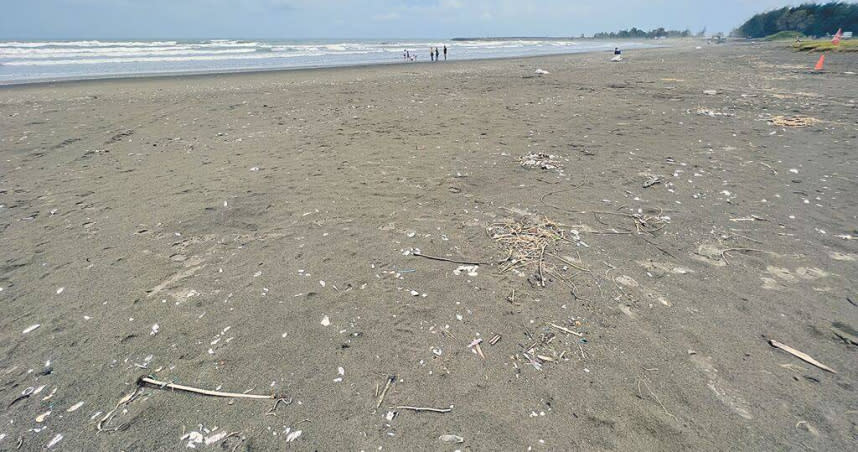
(536, 160)
(793, 121)
(801, 355)
(177, 387)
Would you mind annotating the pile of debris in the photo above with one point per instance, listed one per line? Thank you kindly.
(793, 121)
(528, 241)
(539, 160)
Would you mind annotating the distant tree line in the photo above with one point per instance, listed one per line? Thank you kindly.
(637, 33)
(810, 19)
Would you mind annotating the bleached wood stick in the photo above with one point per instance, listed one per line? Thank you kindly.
(801, 355)
(165, 384)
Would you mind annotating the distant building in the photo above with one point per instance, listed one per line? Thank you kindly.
(847, 35)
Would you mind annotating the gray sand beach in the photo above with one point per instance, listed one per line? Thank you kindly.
(593, 258)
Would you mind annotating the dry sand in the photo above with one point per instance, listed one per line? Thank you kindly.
(264, 223)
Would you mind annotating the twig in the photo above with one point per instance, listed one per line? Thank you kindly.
(655, 397)
(109, 416)
(273, 410)
(744, 237)
(801, 355)
(566, 330)
(419, 409)
(444, 259)
(164, 384)
(541, 259)
(390, 381)
(571, 264)
(542, 198)
(232, 435)
(769, 167)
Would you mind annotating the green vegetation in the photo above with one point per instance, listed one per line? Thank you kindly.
(810, 18)
(827, 46)
(637, 33)
(785, 35)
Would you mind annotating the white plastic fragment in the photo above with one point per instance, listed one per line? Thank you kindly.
(60, 290)
(293, 436)
(470, 270)
(74, 407)
(193, 438)
(325, 321)
(215, 438)
(155, 329)
(41, 418)
(451, 439)
(31, 328)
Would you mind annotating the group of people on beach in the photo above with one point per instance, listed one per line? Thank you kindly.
(434, 54)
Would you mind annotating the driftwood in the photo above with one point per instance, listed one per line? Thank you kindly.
(419, 409)
(801, 355)
(164, 384)
(444, 259)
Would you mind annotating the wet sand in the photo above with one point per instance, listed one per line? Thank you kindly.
(256, 232)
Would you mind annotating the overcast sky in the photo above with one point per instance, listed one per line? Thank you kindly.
(106, 19)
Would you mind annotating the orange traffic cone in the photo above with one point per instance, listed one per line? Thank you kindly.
(820, 63)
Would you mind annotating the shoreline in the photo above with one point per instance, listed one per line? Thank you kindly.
(179, 75)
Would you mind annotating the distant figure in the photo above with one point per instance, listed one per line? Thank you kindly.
(405, 55)
(431, 54)
(445, 52)
(617, 51)
(436, 54)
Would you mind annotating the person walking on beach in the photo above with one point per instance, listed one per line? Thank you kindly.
(436, 54)
(431, 53)
(617, 51)
(445, 52)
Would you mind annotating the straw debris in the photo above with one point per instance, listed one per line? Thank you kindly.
(793, 121)
(527, 242)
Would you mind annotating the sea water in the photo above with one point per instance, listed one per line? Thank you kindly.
(32, 61)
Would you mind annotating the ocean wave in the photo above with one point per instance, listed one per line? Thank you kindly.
(160, 59)
(18, 44)
(120, 53)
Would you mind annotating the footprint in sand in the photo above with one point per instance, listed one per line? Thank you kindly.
(728, 396)
(842, 257)
(777, 277)
(709, 254)
(659, 269)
